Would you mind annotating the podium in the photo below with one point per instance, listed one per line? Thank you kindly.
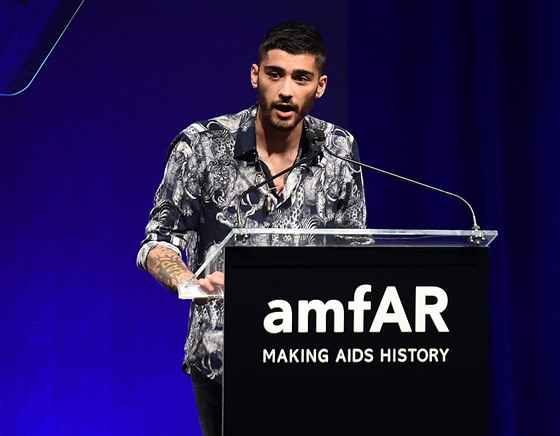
(355, 332)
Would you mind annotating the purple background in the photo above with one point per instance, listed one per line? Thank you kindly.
(462, 95)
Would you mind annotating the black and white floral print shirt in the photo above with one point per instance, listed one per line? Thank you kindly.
(210, 164)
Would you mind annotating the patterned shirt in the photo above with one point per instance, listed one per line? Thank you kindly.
(209, 165)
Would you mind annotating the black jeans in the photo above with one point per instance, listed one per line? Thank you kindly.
(208, 395)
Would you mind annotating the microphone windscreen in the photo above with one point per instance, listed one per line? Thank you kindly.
(311, 136)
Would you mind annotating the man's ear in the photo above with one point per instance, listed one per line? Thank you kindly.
(321, 86)
(254, 76)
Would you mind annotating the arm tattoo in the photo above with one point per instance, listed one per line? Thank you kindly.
(167, 268)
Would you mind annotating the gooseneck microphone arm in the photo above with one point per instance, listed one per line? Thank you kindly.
(319, 138)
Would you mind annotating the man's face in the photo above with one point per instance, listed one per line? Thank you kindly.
(287, 87)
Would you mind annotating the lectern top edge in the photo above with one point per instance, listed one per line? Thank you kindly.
(378, 237)
(368, 238)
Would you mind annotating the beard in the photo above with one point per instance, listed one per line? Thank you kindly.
(269, 117)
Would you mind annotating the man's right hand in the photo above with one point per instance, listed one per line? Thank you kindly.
(213, 284)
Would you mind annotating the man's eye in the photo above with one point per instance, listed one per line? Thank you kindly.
(302, 79)
(274, 75)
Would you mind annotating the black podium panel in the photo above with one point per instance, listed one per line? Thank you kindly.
(355, 341)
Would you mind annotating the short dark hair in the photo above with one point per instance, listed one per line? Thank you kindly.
(295, 38)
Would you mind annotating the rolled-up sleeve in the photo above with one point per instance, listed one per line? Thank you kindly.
(142, 257)
(176, 211)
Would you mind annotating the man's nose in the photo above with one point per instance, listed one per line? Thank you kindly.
(286, 91)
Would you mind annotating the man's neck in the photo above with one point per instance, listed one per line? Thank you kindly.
(276, 142)
(278, 149)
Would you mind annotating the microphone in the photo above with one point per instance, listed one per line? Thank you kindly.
(318, 137)
(315, 153)
(317, 140)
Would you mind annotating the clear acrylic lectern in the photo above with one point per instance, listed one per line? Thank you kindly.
(353, 332)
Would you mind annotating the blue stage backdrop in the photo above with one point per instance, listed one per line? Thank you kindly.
(462, 95)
